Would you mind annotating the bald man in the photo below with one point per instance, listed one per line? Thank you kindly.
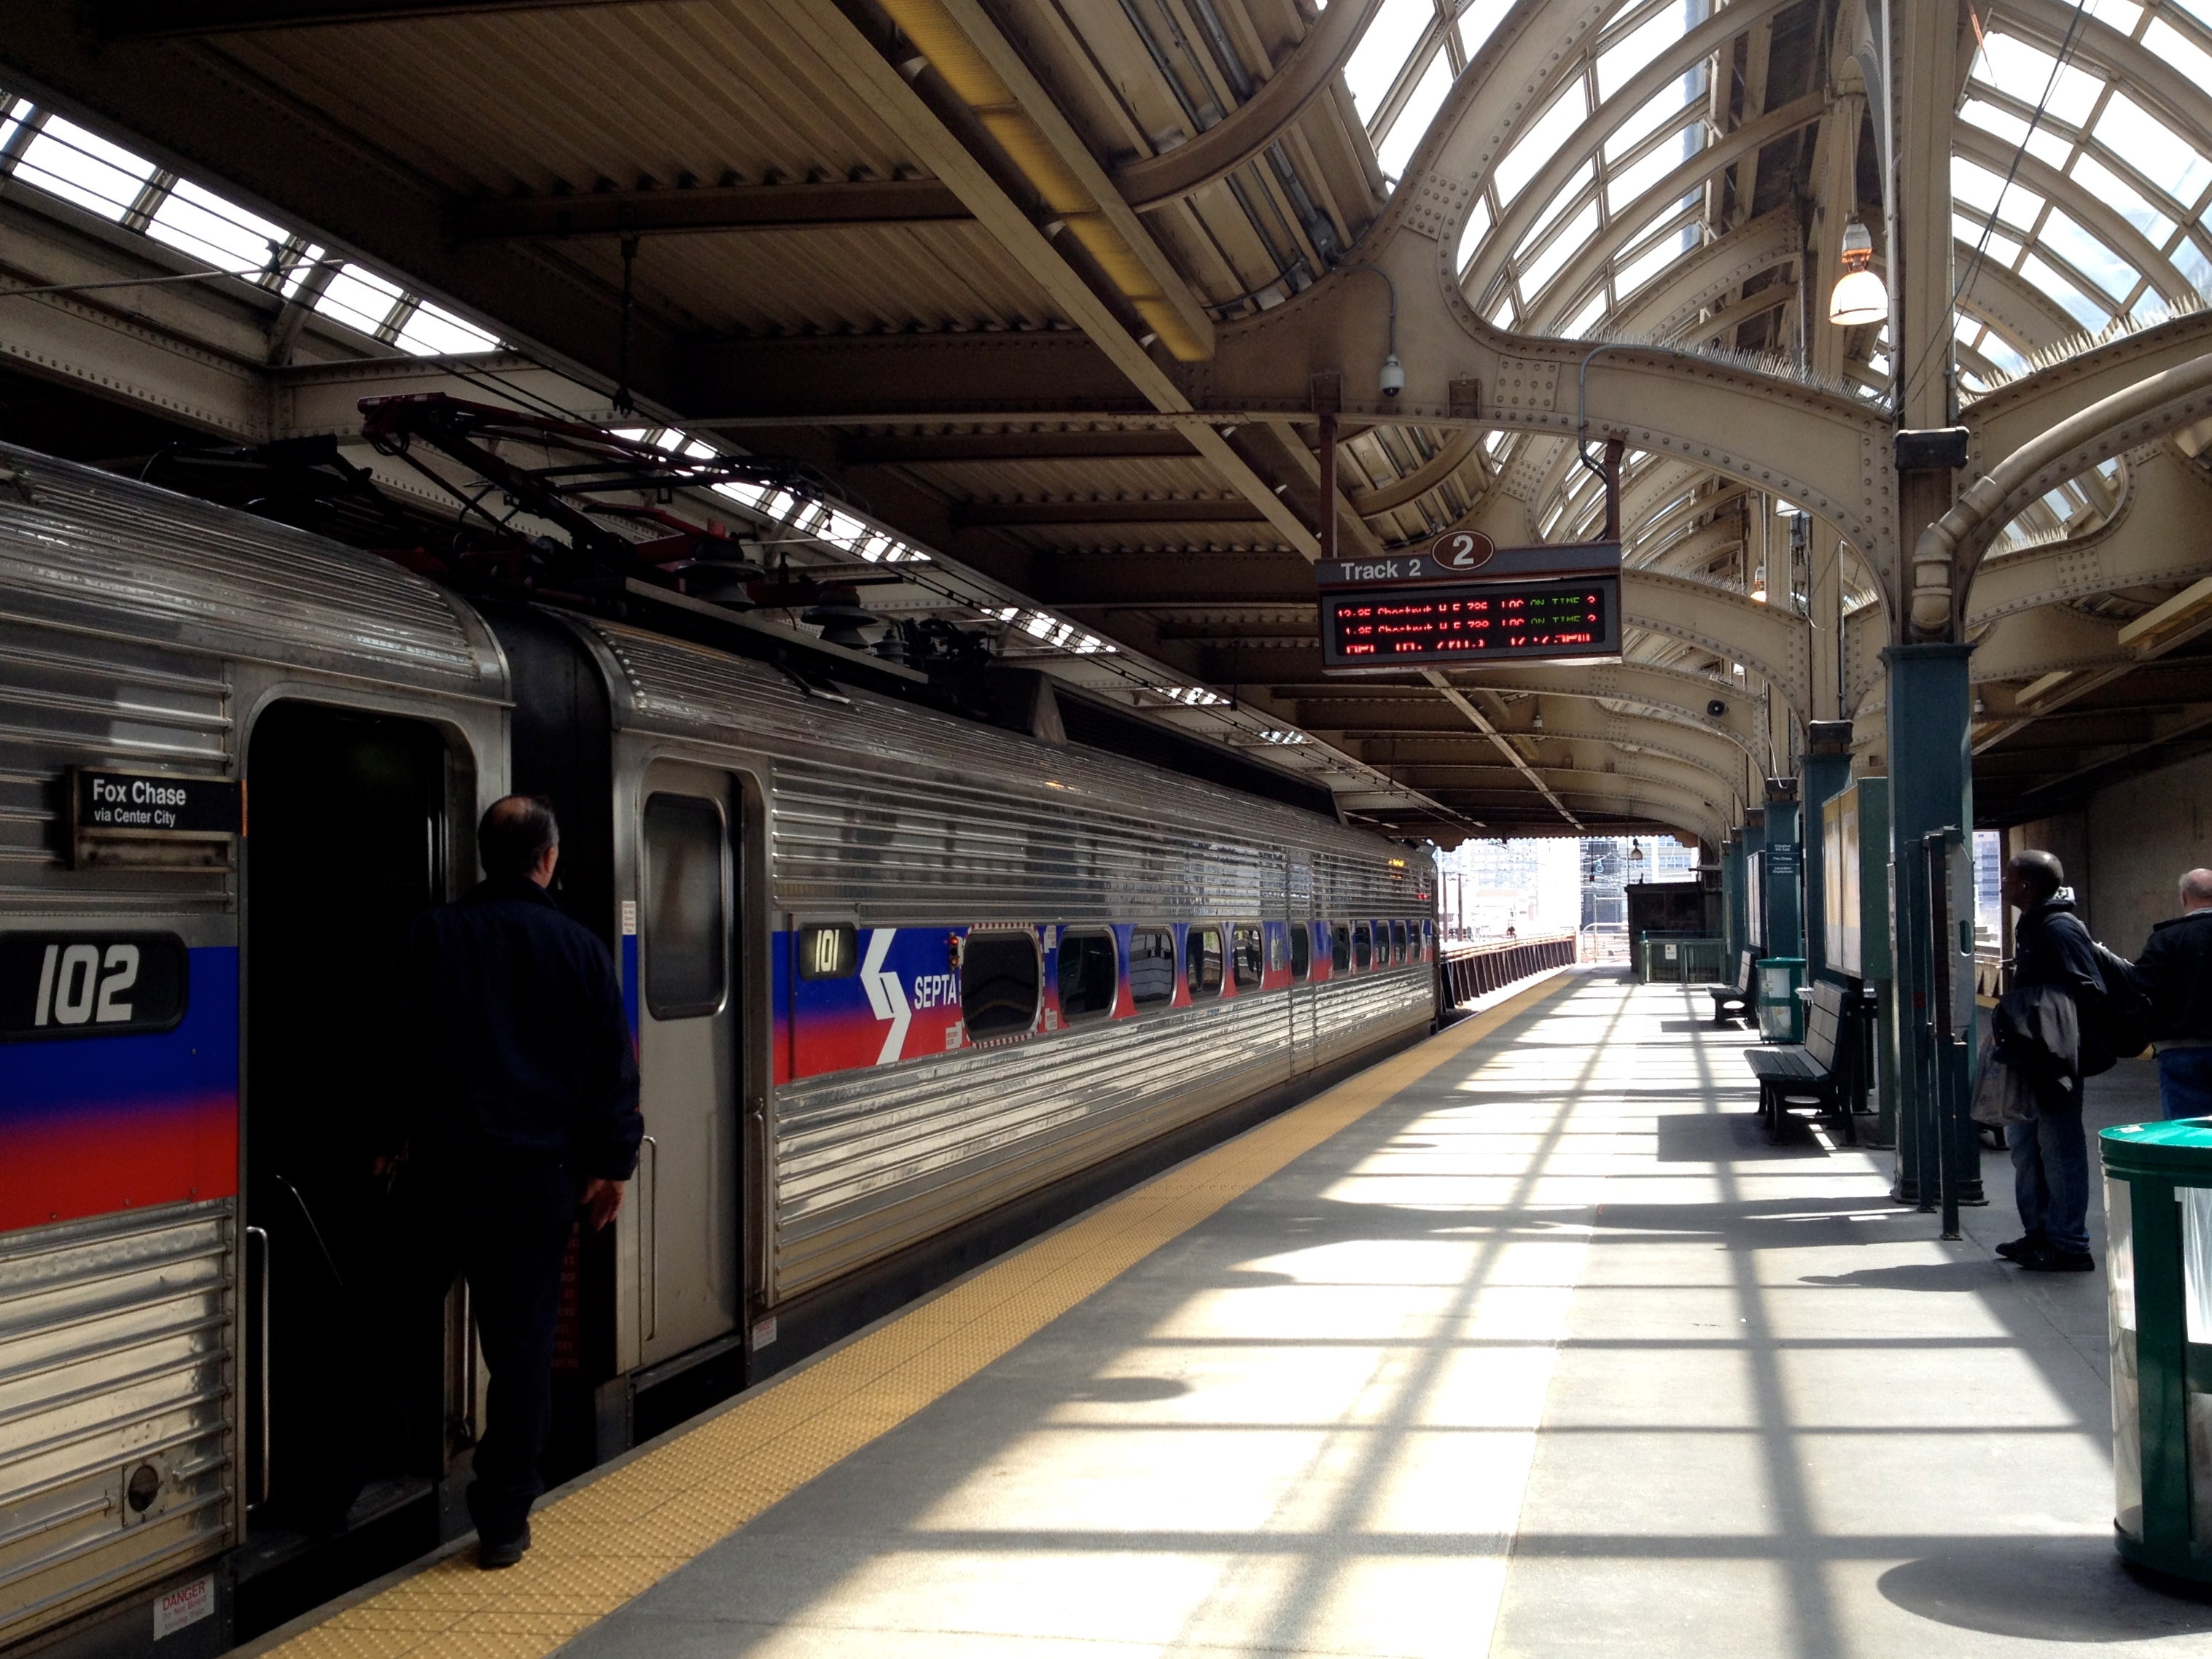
(2175, 971)
(525, 1117)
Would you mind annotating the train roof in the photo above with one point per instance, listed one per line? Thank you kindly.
(87, 549)
(675, 686)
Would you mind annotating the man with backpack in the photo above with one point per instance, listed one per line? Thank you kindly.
(2175, 973)
(2054, 1005)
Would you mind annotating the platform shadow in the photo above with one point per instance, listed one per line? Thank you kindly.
(1726, 1027)
(1731, 1137)
(2049, 1589)
(1125, 1389)
(1953, 1276)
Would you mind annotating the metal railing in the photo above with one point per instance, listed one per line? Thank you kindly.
(1682, 959)
(1469, 971)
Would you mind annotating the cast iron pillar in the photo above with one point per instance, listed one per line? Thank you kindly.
(1783, 900)
(1825, 769)
(1732, 940)
(1931, 788)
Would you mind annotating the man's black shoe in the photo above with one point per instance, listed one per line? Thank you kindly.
(2050, 1258)
(2020, 1247)
(505, 1553)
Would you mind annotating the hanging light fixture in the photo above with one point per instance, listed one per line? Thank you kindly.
(1860, 295)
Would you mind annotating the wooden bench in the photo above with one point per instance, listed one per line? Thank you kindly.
(1737, 996)
(1816, 1072)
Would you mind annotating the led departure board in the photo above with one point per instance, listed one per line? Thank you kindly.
(1470, 621)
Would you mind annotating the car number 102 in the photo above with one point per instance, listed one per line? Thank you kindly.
(57, 986)
(75, 985)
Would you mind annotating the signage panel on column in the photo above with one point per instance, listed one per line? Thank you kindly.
(1461, 601)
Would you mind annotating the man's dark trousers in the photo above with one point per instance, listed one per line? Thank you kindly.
(503, 1224)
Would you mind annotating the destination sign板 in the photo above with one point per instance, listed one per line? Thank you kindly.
(1460, 600)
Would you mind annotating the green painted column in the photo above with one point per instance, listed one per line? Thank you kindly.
(1931, 788)
(1732, 900)
(1825, 769)
(1754, 904)
(1785, 870)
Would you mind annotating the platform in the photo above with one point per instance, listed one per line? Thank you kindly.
(1525, 1342)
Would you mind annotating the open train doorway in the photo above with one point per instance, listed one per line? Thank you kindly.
(353, 1408)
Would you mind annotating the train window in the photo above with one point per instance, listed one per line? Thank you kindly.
(1362, 945)
(90, 984)
(1428, 941)
(1279, 949)
(1248, 955)
(1202, 962)
(1088, 974)
(1301, 953)
(686, 924)
(1151, 966)
(1001, 982)
(828, 950)
(1339, 946)
(1397, 941)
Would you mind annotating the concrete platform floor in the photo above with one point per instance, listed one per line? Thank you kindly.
(1549, 1353)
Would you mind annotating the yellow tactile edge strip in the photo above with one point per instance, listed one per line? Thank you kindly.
(617, 1536)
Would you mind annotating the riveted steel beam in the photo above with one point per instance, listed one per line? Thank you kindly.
(706, 208)
(2022, 411)
(124, 20)
(1181, 510)
(872, 77)
(2154, 538)
(1258, 122)
(1022, 444)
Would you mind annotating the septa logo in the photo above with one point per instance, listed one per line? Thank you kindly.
(886, 995)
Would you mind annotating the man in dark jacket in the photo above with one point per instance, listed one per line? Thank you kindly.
(2175, 972)
(523, 1107)
(2050, 1156)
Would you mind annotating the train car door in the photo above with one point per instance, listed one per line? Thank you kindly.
(347, 838)
(687, 1052)
(1304, 1000)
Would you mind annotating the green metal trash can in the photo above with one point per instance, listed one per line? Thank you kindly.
(1774, 991)
(2158, 1267)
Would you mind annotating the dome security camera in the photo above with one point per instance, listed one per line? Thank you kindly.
(1392, 379)
(1716, 708)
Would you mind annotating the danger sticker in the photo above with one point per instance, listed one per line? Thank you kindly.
(187, 1604)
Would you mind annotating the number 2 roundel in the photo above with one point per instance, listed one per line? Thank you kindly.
(1462, 550)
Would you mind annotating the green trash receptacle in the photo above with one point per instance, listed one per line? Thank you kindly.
(1774, 991)
(2158, 1276)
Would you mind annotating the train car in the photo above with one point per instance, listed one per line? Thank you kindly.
(900, 983)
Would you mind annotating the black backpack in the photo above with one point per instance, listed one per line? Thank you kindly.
(2117, 1025)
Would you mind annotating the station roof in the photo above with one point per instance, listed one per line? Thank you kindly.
(971, 263)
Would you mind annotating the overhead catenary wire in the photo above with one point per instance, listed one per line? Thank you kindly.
(1966, 277)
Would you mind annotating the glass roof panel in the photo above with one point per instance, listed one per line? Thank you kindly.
(1618, 64)
(1390, 40)
(2180, 50)
(2084, 310)
(1543, 140)
(1412, 123)
(205, 225)
(1547, 263)
(2026, 70)
(2089, 255)
(360, 299)
(2122, 198)
(64, 160)
(2155, 150)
